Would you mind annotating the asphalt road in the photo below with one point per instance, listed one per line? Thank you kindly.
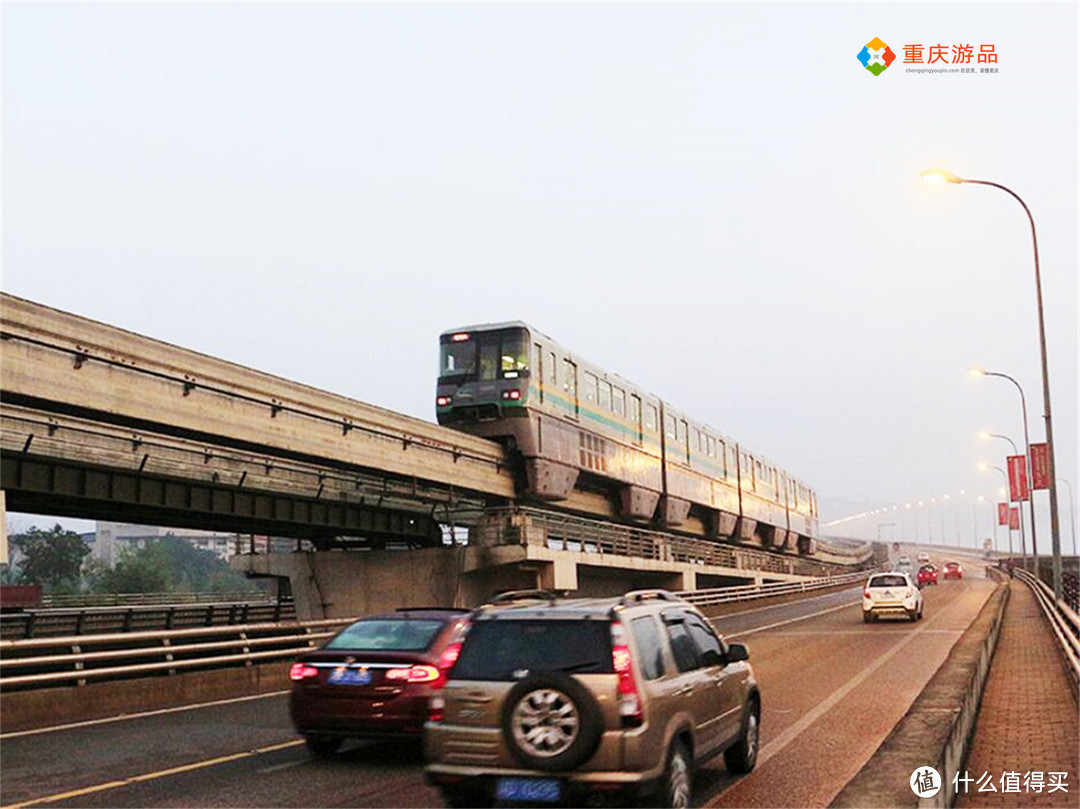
(832, 689)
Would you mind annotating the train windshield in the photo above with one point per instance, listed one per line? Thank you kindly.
(485, 356)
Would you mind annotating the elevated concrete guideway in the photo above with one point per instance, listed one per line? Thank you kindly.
(99, 422)
(61, 363)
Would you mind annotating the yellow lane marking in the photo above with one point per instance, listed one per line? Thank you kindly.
(151, 776)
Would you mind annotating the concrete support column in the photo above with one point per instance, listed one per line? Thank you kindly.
(561, 574)
(689, 580)
(3, 528)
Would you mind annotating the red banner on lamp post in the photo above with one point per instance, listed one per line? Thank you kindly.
(1018, 482)
(1014, 519)
(1003, 513)
(1040, 466)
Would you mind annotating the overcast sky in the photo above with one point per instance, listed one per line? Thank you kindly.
(717, 201)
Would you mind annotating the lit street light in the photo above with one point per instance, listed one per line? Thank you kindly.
(941, 177)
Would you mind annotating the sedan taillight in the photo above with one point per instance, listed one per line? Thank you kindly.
(302, 671)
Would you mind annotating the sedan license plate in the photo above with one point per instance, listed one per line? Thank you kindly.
(540, 790)
(344, 676)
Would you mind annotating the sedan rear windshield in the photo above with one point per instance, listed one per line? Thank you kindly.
(387, 635)
(888, 581)
(510, 650)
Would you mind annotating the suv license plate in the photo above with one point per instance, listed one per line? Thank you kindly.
(543, 790)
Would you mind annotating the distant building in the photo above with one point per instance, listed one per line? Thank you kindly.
(111, 539)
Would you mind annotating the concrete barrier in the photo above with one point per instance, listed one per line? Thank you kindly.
(45, 707)
(937, 729)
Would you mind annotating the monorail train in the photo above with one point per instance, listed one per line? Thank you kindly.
(568, 419)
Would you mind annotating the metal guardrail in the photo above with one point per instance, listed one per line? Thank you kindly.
(58, 661)
(42, 623)
(44, 662)
(141, 599)
(1064, 621)
(748, 592)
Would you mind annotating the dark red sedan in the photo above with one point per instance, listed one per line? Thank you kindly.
(373, 679)
(953, 570)
(927, 575)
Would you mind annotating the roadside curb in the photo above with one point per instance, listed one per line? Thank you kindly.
(936, 731)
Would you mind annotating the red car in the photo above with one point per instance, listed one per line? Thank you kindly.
(953, 570)
(927, 575)
(373, 679)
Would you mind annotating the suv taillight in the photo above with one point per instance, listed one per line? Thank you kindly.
(866, 592)
(621, 660)
(436, 707)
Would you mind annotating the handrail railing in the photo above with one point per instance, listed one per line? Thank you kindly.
(747, 592)
(1063, 620)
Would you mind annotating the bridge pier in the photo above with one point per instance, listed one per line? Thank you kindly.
(3, 528)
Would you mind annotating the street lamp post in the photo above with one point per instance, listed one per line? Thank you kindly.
(1072, 512)
(1027, 470)
(940, 177)
(976, 371)
(1023, 542)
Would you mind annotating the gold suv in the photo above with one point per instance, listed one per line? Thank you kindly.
(587, 701)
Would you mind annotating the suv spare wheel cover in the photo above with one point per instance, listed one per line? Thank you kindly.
(551, 722)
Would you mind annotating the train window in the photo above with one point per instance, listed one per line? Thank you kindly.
(591, 388)
(569, 384)
(650, 418)
(489, 360)
(700, 442)
(552, 380)
(710, 446)
(604, 399)
(635, 415)
(618, 401)
(515, 356)
(669, 427)
(685, 436)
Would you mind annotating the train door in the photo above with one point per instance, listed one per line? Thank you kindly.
(570, 389)
(538, 368)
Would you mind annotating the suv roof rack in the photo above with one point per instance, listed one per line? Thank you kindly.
(637, 596)
(524, 595)
(431, 609)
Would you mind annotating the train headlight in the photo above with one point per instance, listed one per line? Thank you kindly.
(512, 394)
(444, 401)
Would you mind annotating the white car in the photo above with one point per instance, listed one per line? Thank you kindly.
(923, 557)
(891, 594)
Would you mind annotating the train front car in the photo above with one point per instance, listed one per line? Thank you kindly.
(561, 415)
(483, 386)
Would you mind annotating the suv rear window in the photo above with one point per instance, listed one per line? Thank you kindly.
(507, 650)
(888, 581)
(391, 635)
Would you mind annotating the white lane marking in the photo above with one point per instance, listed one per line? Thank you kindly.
(794, 602)
(801, 632)
(789, 734)
(788, 621)
(284, 766)
(108, 719)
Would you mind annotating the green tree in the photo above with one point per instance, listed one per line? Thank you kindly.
(52, 558)
(169, 565)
